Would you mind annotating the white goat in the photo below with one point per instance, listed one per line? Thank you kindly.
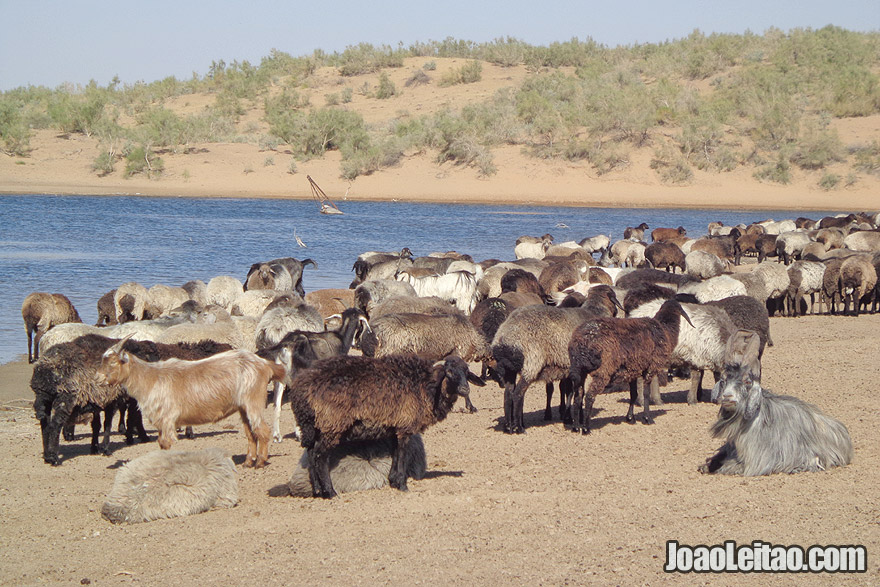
(175, 393)
(459, 287)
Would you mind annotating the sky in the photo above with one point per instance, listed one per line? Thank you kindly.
(49, 43)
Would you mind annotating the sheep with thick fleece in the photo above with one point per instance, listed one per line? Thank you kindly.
(175, 393)
(359, 466)
(130, 301)
(459, 287)
(863, 241)
(715, 288)
(805, 278)
(414, 305)
(168, 484)
(224, 291)
(370, 293)
(532, 247)
(277, 322)
(789, 245)
(360, 398)
(703, 264)
(856, 282)
(161, 299)
(41, 312)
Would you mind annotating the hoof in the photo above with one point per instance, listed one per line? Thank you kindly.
(704, 468)
(54, 461)
(648, 420)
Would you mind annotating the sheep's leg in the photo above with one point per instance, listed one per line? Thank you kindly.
(566, 392)
(62, 407)
(135, 421)
(696, 389)
(123, 408)
(513, 406)
(67, 431)
(548, 411)
(30, 334)
(397, 474)
(597, 384)
(319, 468)
(655, 391)
(96, 432)
(276, 418)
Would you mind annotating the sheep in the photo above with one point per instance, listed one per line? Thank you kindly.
(361, 398)
(635, 255)
(558, 276)
(161, 299)
(40, 312)
(624, 350)
(532, 247)
(106, 310)
(765, 433)
(747, 313)
(523, 281)
(305, 347)
(665, 255)
(459, 287)
(130, 302)
(790, 244)
(223, 291)
(863, 241)
(805, 279)
(632, 278)
(372, 292)
(533, 343)
(197, 290)
(698, 348)
(771, 227)
(384, 269)
(830, 284)
(664, 234)
(359, 466)
(724, 247)
(595, 243)
(635, 234)
(703, 265)
(330, 301)
(284, 274)
(568, 249)
(831, 238)
(766, 282)
(805, 223)
(173, 393)
(64, 383)
(277, 322)
(761, 245)
(254, 302)
(413, 304)
(856, 282)
(366, 260)
(814, 252)
(169, 484)
(214, 324)
(836, 221)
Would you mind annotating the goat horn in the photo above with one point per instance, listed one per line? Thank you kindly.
(118, 346)
(366, 323)
(334, 316)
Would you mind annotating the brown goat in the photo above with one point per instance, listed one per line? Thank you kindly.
(174, 393)
(41, 311)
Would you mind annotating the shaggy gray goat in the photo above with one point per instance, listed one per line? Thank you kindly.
(359, 466)
(767, 433)
(350, 398)
(168, 484)
(533, 344)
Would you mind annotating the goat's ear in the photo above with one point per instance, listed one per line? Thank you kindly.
(716, 391)
(753, 401)
(123, 357)
(742, 349)
(476, 380)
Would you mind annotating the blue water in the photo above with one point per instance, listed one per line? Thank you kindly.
(85, 246)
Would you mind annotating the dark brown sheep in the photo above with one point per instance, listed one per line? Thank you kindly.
(351, 398)
(620, 350)
(41, 311)
(665, 255)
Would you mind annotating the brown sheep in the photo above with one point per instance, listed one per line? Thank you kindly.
(856, 282)
(665, 255)
(664, 234)
(41, 311)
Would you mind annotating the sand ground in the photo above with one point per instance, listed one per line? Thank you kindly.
(545, 508)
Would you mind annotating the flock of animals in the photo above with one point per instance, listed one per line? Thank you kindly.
(633, 317)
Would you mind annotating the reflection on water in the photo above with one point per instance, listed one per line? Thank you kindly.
(85, 246)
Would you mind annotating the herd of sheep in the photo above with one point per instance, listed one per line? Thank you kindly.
(590, 316)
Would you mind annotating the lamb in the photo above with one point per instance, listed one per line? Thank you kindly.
(856, 282)
(349, 398)
(698, 348)
(169, 484)
(703, 265)
(459, 287)
(664, 234)
(359, 466)
(805, 279)
(533, 343)
(532, 247)
(40, 312)
(130, 302)
(304, 347)
(223, 291)
(64, 383)
(665, 255)
(766, 433)
(620, 349)
(173, 393)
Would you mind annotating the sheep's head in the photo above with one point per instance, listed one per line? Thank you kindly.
(115, 364)
(453, 375)
(739, 388)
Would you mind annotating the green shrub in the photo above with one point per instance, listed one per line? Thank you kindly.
(142, 159)
(331, 99)
(867, 159)
(817, 148)
(364, 58)
(347, 94)
(386, 88)
(829, 181)
(470, 72)
(671, 166)
(778, 172)
(104, 163)
(430, 66)
(14, 131)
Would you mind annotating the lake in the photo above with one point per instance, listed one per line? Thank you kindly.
(85, 246)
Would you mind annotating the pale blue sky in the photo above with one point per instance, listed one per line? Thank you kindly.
(52, 42)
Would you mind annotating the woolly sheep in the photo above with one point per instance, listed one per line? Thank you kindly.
(161, 299)
(863, 241)
(41, 312)
(330, 301)
(805, 278)
(277, 322)
(789, 245)
(169, 484)
(224, 291)
(370, 293)
(703, 265)
(532, 247)
(130, 302)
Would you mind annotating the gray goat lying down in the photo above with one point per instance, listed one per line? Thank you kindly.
(767, 433)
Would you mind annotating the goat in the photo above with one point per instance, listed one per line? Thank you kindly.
(459, 287)
(175, 393)
(282, 274)
(767, 433)
(40, 312)
(533, 343)
(168, 484)
(349, 398)
(624, 350)
(635, 234)
(304, 347)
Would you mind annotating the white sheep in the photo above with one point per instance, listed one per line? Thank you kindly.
(224, 291)
(130, 301)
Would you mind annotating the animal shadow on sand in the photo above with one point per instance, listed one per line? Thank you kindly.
(536, 418)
